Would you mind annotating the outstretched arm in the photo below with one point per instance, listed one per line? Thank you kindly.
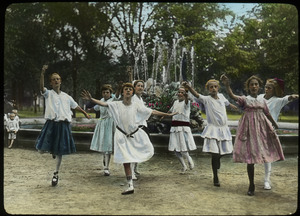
(186, 85)
(87, 96)
(225, 81)
(42, 78)
(84, 112)
(293, 97)
(155, 112)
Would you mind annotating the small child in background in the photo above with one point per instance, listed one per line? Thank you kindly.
(217, 135)
(181, 139)
(12, 127)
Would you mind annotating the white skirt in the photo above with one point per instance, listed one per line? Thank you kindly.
(221, 147)
(181, 139)
(132, 150)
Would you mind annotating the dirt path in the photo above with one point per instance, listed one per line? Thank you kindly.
(161, 190)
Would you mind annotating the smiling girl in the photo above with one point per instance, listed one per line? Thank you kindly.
(256, 141)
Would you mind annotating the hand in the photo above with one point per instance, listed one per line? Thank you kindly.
(185, 84)
(224, 79)
(86, 95)
(87, 116)
(45, 67)
(294, 96)
(173, 113)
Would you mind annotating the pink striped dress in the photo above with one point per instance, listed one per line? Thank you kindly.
(256, 140)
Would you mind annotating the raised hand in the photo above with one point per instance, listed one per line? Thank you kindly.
(86, 95)
(45, 67)
(224, 79)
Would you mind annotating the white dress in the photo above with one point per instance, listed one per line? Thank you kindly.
(136, 99)
(181, 137)
(217, 135)
(275, 104)
(102, 140)
(134, 149)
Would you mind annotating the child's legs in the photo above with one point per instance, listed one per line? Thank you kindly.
(106, 159)
(186, 155)
(268, 168)
(58, 162)
(250, 171)
(179, 156)
(215, 164)
(127, 169)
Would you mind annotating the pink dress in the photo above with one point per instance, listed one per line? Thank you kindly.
(256, 140)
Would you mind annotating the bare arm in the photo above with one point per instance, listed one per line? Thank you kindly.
(225, 81)
(155, 112)
(87, 96)
(233, 107)
(186, 85)
(42, 78)
(84, 112)
(272, 120)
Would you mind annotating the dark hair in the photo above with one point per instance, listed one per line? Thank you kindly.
(246, 84)
(107, 87)
(127, 85)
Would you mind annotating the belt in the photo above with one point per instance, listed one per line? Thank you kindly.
(128, 135)
(179, 123)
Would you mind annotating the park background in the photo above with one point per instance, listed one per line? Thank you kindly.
(93, 43)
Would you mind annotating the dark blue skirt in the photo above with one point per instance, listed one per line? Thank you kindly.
(56, 138)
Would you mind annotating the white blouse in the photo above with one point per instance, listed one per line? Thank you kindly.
(58, 106)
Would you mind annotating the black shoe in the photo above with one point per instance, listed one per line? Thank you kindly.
(54, 179)
(53, 156)
(216, 182)
(126, 192)
(251, 190)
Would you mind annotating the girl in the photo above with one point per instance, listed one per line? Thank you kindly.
(181, 139)
(256, 140)
(137, 98)
(102, 140)
(217, 136)
(56, 136)
(274, 90)
(131, 144)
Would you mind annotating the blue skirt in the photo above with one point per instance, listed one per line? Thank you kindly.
(56, 138)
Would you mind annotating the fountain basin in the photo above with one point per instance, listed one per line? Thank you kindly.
(26, 139)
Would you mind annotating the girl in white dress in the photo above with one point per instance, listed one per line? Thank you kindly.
(181, 138)
(131, 144)
(102, 140)
(217, 135)
(274, 90)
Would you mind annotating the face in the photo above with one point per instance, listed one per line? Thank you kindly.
(127, 91)
(253, 87)
(12, 116)
(139, 88)
(269, 90)
(181, 93)
(55, 81)
(106, 94)
(213, 88)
